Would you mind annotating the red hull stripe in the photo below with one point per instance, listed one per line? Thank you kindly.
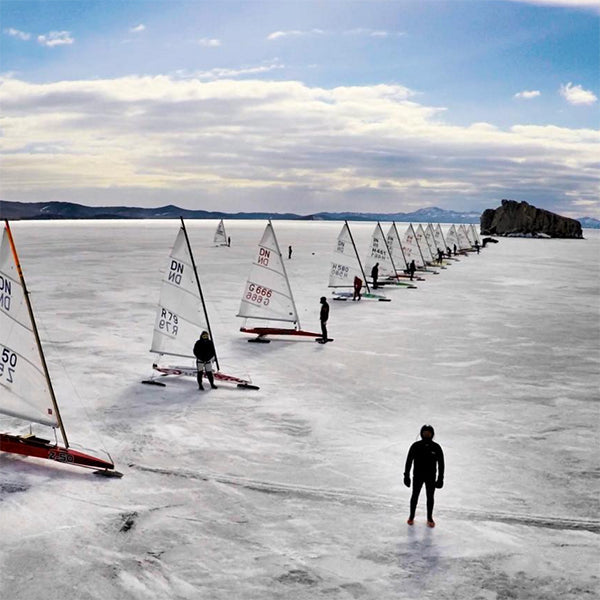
(278, 331)
(18, 445)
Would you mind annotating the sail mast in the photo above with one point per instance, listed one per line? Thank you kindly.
(286, 277)
(389, 251)
(358, 259)
(189, 247)
(418, 245)
(400, 244)
(35, 333)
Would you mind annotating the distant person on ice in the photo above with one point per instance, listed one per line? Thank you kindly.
(324, 317)
(411, 269)
(428, 459)
(204, 351)
(289, 252)
(357, 287)
(375, 275)
(477, 246)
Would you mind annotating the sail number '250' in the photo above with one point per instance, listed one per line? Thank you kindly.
(8, 363)
(258, 294)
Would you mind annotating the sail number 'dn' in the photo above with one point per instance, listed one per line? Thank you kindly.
(8, 364)
(258, 294)
(175, 272)
(5, 293)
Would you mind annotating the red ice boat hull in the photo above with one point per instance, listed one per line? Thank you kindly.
(40, 448)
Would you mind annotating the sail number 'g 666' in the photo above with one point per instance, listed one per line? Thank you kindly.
(258, 294)
(8, 364)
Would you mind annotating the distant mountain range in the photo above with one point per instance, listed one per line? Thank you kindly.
(70, 210)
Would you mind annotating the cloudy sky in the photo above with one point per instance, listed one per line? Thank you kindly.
(303, 106)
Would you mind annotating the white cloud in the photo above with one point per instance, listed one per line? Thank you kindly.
(56, 38)
(294, 33)
(528, 94)
(138, 28)
(222, 73)
(277, 145)
(575, 94)
(21, 35)
(209, 43)
(578, 4)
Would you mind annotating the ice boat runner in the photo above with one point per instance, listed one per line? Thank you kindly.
(380, 252)
(182, 316)
(220, 238)
(27, 392)
(346, 265)
(267, 296)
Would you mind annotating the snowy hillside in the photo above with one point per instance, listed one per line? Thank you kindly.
(295, 491)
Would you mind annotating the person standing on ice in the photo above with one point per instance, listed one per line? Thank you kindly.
(412, 267)
(204, 351)
(289, 252)
(324, 317)
(428, 459)
(375, 275)
(357, 287)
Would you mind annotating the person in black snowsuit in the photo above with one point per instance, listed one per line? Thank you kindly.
(411, 269)
(428, 459)
(204, 351)
(324, 317)
(375, 275)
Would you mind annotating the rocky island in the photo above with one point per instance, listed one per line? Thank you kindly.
(521, 219)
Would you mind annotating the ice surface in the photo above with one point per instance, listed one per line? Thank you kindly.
(295, 491)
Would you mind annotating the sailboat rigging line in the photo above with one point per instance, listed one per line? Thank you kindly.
(400, 244)
(389, 251)
(35, 332)
(358, 258)
(189, 247)
(286, 277)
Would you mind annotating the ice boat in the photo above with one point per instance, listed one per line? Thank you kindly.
(27, 391)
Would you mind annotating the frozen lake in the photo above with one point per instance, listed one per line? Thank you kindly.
(295, 491)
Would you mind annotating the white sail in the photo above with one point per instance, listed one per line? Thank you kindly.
(379, 253)
(395, 248)
(180, 318)
(25, 390)
(463, 238)
(475, 234)
(410, 247)
(267, 294)
(345, 264)
(424, 245)
(430, 237)
(452, 239)
(469, 233)
(439, 238)
(220, 238)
